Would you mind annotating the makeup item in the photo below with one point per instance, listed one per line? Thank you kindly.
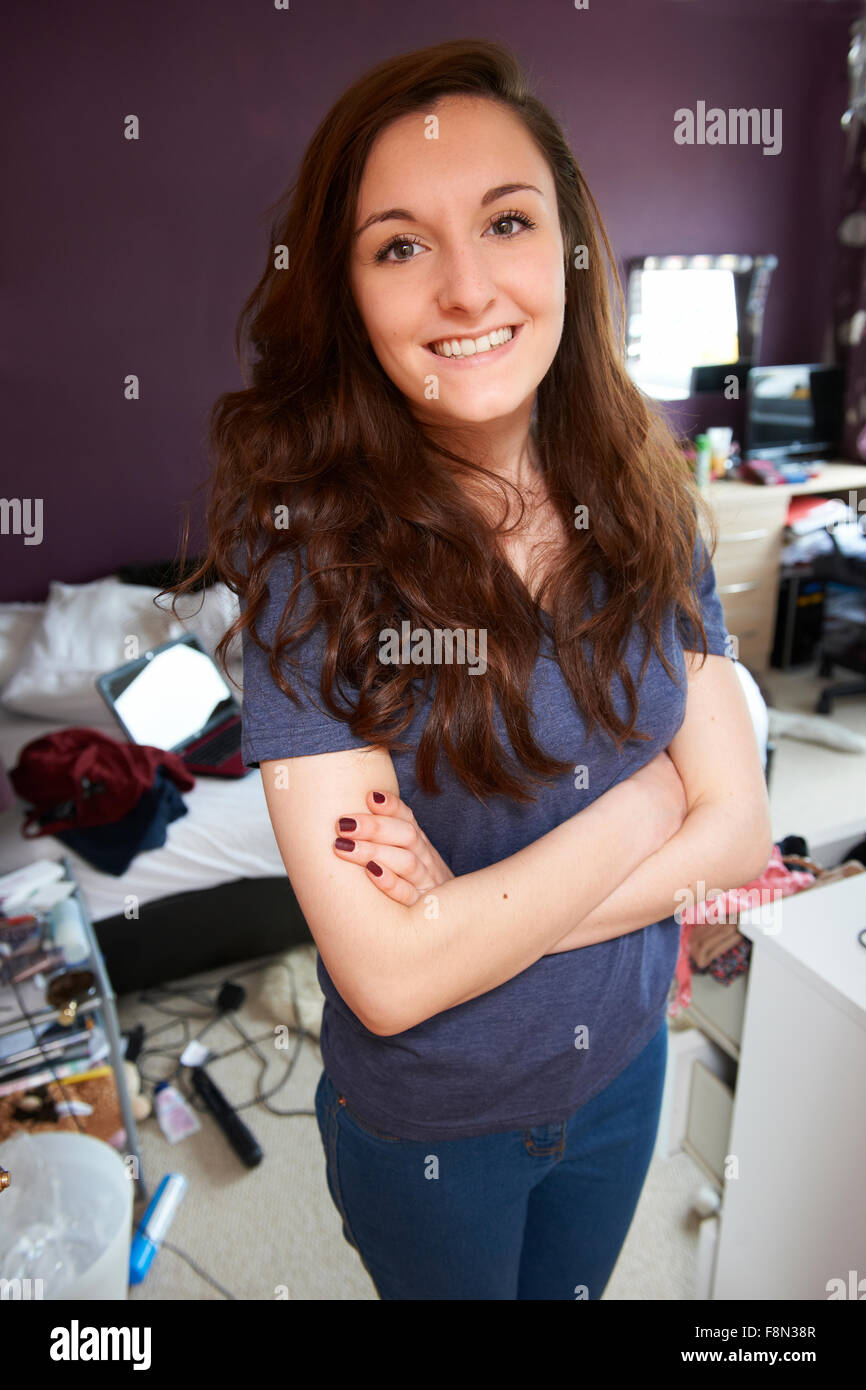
(155, 1224)
(14, 930)
(23, 967)
(69, 932)
(42, 1066)
(176, 1119)
(240, 1138)
(68, 989)
(18, 1049)
(27, 944)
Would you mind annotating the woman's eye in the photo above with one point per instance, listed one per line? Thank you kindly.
(394, 245)
(504, 220)
(519, 217)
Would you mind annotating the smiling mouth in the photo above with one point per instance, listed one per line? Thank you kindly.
(474, 347)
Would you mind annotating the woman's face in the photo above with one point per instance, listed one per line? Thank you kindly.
(454, 252)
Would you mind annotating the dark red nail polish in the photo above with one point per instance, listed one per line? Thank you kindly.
(374, 869)
(347, 823)
(379, 796)
(340, 843)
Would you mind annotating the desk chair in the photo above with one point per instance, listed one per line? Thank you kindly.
(838, 568)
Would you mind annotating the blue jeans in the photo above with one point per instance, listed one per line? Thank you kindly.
(537, 1213)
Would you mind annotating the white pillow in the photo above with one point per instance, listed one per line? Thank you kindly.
(17, 624)
(83, 633)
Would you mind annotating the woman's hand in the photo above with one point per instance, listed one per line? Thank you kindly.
(389, 838)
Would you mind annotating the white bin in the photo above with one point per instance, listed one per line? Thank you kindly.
(65, 1218)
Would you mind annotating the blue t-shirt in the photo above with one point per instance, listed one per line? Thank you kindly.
(517, 1056)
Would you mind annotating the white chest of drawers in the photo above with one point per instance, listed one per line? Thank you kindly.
(791, 1128)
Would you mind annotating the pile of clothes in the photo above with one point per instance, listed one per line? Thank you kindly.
(709, 940)
(106, 799)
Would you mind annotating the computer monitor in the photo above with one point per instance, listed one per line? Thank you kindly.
(794, 411)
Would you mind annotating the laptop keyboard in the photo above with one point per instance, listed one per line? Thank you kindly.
(217, 749)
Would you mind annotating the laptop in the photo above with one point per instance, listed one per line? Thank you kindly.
(175, 697)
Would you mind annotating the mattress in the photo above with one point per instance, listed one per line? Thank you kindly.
(226, 835)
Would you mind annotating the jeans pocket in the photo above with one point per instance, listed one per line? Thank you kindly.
(349, 1117)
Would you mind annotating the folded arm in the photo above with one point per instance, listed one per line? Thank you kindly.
(399, 962)
(726, 838)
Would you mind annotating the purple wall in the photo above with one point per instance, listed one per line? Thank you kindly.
(135, 257)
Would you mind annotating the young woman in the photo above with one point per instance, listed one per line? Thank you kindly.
(487, 680)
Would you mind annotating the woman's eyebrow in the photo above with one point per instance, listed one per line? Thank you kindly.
(491, 196)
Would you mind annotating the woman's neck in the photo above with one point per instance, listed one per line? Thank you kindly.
(522, 472)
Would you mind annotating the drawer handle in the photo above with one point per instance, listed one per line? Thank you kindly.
(744, 535)
(738, 588)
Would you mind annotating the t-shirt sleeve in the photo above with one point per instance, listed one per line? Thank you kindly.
(272, 725)
(719, 642)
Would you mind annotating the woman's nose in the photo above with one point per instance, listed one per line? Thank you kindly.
(465, 281)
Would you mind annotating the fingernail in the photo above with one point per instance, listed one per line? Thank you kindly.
(379, 796)
(340, 843)
(374, 869)
(347, 823)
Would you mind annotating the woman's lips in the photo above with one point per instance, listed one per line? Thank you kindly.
(478, 359)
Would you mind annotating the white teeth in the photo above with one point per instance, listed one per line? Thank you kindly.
(467, 347)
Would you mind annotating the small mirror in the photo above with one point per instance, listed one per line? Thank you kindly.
(693, 322)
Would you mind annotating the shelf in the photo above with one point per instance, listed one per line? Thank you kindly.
(101, 1004)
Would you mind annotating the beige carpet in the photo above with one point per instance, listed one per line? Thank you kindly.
(812, 787)
(273, 1231)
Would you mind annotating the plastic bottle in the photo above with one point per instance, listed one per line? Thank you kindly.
(702, 460)
(68, 931)
(155, 1223)
(176, 1118)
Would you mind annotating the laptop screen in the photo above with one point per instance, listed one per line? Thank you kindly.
(171, 696)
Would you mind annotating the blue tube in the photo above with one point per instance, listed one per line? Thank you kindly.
(154, 1224)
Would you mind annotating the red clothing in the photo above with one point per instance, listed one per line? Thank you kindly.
(726, 907)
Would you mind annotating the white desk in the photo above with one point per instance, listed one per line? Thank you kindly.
(790, 1127)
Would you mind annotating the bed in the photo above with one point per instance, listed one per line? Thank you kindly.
(206, 898)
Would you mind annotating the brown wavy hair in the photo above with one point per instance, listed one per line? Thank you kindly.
(323, 433)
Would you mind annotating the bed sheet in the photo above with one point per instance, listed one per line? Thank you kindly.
(226, 835)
